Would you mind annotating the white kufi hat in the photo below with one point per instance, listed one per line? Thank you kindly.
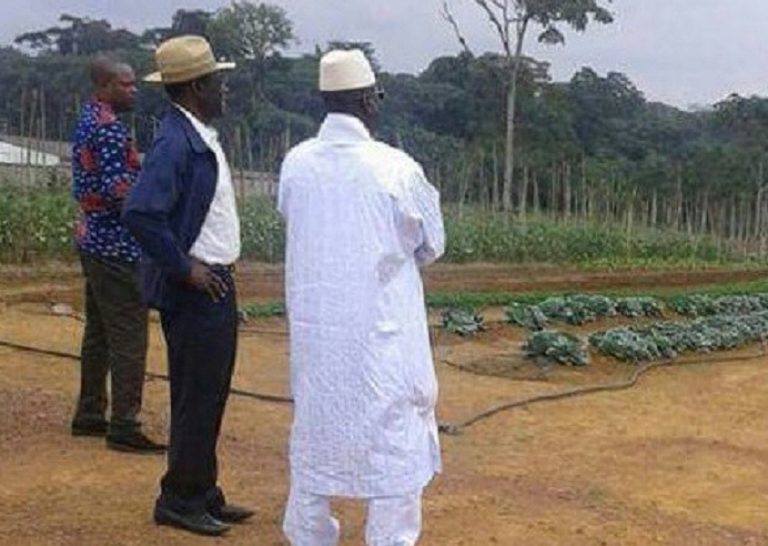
(342, 70)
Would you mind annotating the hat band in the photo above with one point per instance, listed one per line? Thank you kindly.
(180, 74)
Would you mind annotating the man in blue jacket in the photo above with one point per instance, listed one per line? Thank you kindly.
(182, 212)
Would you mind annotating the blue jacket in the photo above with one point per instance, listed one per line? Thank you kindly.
(168, 205)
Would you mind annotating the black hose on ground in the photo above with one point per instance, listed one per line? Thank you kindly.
(455, 428)
(71, 356)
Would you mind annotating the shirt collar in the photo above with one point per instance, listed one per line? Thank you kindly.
(103, 110)
(208, 134)
(343, 128)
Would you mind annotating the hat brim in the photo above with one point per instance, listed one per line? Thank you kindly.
(157, 77)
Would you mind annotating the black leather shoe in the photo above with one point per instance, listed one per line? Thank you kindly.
(231, 513)
(89, 427)
(134, 442)
(201, 524)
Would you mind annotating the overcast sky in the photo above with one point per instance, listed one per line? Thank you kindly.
(683, 52)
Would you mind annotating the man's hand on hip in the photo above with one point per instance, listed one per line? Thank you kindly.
(205, 279)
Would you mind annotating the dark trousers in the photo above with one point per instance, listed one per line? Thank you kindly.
(114, 342)
(201, 336)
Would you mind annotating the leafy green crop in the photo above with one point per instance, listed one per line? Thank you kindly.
(35, 224)
(527, 316)
(40, 225)
(642, 306)
(462, 321)
(698, 305)
(579, 309)
(561, 347)
(668, 339)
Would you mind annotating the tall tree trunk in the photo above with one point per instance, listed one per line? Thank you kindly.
(680, 205)
(703, 212)
(689, 211)
(758, 223)
(509, 155)
(536, 195)
(583, 188)
(482, 182)
(553, 205)
(496, 196)
(463, 188)
(629, 219)
(566, 190)
(509, 159)
(524, 192)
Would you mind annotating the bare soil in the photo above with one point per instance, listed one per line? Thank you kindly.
(682, 459)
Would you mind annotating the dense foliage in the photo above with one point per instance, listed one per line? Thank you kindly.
(563, 348)
(463, 322)
(669, 339)
(591, 151)
(579, 309)
(39, 224)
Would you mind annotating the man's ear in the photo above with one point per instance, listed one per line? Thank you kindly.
(196, 87)
(369, 102)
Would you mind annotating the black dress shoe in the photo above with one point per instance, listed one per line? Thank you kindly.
(134, 441)
(89, 427)
(231, 513)
(201, 524)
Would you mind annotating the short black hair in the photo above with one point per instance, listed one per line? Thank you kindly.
(103, 69)
(177, 90)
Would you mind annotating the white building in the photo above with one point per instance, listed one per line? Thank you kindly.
(12, 154)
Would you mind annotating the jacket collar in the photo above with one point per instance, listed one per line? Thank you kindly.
(180, 121)
(343, 128)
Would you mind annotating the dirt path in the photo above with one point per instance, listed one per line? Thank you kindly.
(61, 282)
(680, 460)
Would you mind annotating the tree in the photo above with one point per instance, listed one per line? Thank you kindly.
(252, 31)
(511, 20)
(184, 22)
(79, 36)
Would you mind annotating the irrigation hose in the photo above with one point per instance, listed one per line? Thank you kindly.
(454, 429)
(249, 330)
(150, 375)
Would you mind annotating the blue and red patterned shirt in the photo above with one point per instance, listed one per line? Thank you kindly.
(105, 166)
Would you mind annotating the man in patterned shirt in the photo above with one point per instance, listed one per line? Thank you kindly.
(105, 165)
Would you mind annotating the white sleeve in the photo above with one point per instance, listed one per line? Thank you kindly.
(420, 220)
(282, 190)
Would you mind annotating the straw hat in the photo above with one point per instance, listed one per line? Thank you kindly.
(183, 59)
(345, 70)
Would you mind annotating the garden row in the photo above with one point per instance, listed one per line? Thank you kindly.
(39, 225)
(658, 341)
(580, 309)
(714, 323)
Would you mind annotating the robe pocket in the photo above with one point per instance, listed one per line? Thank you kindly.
(385, 328)
(424, 389)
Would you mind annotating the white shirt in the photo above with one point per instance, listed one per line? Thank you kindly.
(361, 218)
(219, 238)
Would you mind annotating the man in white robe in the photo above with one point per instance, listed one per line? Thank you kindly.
(361, 220)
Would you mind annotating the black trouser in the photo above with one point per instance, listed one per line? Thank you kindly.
(114, 342)
(202, 341)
